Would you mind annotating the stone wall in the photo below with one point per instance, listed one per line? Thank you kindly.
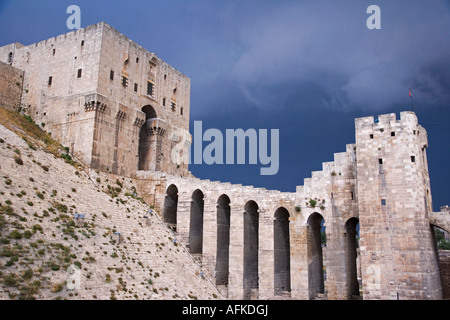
(11, 81)
(281, 267)
(444, 260)
(58, 75)
(128, 129)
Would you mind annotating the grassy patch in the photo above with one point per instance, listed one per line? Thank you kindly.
(25, 127)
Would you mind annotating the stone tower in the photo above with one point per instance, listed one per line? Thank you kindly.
(118, 107)
(398, 253)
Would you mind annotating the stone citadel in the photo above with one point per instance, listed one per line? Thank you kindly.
(120, 109)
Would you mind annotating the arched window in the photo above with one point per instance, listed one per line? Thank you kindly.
(316, 238)
(352, 240)
(196, 223)
(170, 206)
(282, 264)
(251, 247)
(223, 240)
(146, 141)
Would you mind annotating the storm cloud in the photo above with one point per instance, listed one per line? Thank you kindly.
(296, 45)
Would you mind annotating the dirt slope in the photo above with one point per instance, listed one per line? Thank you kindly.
(42, 245)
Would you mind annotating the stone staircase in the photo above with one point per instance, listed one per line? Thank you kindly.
(149, 263)
(157, 254)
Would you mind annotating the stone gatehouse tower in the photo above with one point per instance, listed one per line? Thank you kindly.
(117, 106)
(120, 109)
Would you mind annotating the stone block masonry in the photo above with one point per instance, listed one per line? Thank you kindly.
(444, 259)
(11, 82)
(360, 228)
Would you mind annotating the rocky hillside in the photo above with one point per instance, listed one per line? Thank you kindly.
(48, 252)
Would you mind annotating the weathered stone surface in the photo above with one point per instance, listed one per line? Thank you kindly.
(444, 259)
(11, 81)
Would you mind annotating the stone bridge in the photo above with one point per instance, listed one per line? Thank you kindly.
(359, 228)
(265, 244)
(441, 219)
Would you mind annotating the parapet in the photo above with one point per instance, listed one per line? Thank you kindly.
(407, 118)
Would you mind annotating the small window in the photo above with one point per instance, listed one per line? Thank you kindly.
(135, 87)
(50, 80)
(165, 76)
(413, 158)
(137, 60)
(10, 57)
(79, 73)
(414, 131)
(181, 111)
(54, 51)
(82, 43)
(392, 134)
(150, 89)
(383, 202)
(124, 82)
(351, 193)
(371, 136)
(111, 75)
(173, 106)
(380, 161)
(164, 102)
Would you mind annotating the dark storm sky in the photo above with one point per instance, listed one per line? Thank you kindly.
(307, 68)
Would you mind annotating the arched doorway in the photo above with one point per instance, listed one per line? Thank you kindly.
(282, 256)
(251, 247)
(223, 240)
(170, 206)
(315, 234)
(196, 223)
(352, 244)
(147, 143)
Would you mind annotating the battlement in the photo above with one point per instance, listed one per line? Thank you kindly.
(407, 118)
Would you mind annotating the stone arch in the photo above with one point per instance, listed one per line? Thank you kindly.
(171, 206)
(251, 248)
(149, 111)
(316, 281)
(351, 245)
(196, 223)
(223, 240)
(440, 220)
(147, 152)
(282, 262)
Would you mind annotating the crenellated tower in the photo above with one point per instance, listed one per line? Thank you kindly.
(398, 254)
